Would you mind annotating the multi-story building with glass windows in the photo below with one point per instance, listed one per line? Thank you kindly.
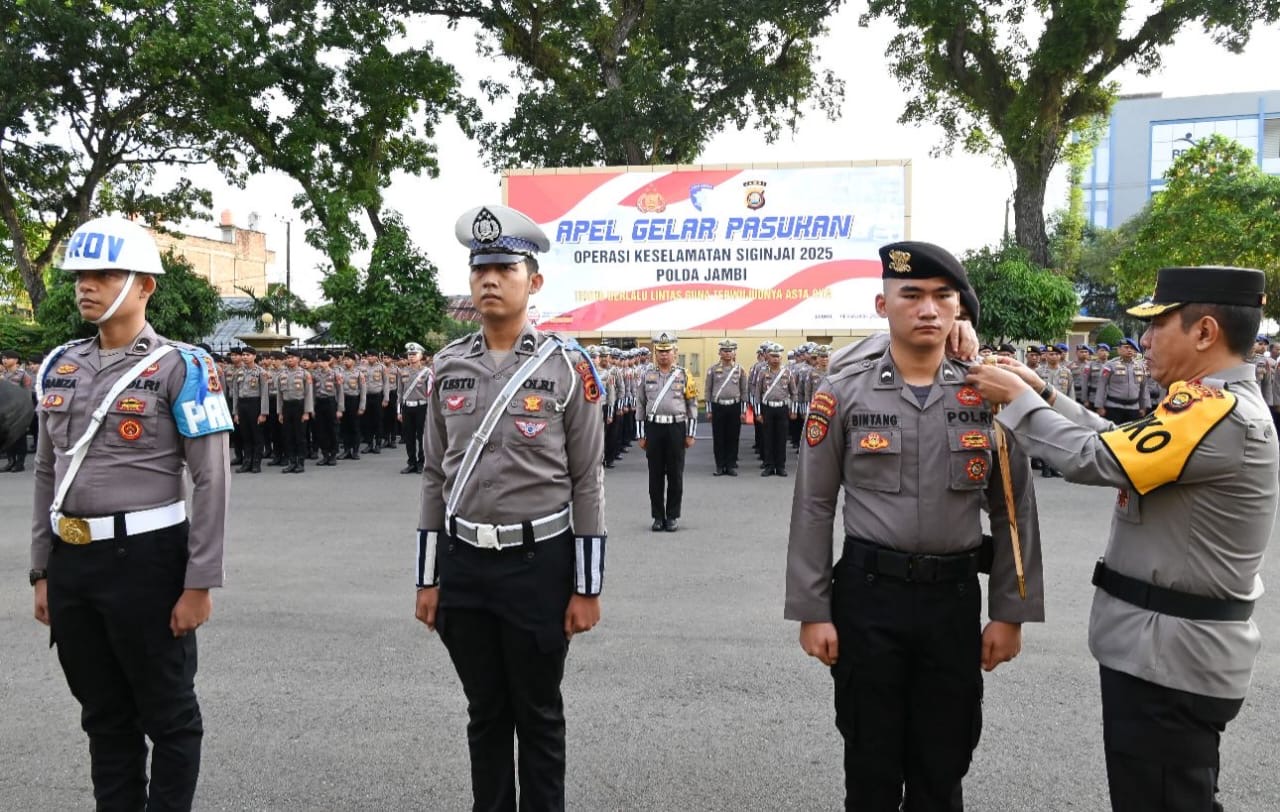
(1147, 132)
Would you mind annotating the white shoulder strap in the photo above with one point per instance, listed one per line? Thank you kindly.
(478, 440)
(81, 447)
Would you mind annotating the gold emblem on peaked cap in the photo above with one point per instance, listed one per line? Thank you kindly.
(900, 261)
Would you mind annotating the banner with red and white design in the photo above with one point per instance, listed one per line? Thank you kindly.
(713, 249)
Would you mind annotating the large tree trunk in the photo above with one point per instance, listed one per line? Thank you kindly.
(1028, 210)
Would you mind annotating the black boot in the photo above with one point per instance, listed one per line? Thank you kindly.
(288, 469)
(299, 465)
(256, 468)
(409, 469)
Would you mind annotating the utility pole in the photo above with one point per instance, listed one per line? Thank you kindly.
(288, 273)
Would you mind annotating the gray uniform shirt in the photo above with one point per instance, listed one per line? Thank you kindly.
(1203, 532)
(136, 460)
(352, 383)
(680, 398)
(324, 383)
(915, 479)
(415, 386)
(251, 383)
(777, 386)
(545, 449)
(375, 376)
(725, 383)
(295, 384)
(1123, 385)
(1061, 379)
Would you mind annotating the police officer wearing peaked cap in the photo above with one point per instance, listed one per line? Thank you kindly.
(898, 617)
(1171, 623)
(511, 533)
(666, 426)
(120, 576)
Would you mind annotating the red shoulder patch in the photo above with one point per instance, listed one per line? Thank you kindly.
(815, 429)
(590, 389)
(823, 403)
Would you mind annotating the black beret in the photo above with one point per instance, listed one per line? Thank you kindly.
(1176, 287)
(1009, 348)
(923, 260)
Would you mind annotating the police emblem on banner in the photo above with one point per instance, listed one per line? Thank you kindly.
(755, 193)
(698, 194)
(651, 201)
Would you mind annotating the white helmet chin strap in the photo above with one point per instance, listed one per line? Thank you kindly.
(111, 311)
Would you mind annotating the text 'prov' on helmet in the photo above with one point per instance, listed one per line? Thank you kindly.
(112, 243)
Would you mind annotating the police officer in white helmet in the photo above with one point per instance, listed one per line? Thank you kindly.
(119, 575)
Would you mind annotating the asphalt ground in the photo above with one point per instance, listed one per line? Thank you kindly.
(321, 692)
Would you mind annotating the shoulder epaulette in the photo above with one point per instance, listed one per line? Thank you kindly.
(48, 362)
(457, 342)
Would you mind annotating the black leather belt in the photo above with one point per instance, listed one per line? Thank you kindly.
(1168, 601)
(919, 568)
(1123, 401)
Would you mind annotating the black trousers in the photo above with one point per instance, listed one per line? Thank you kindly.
(372, 424)
(294, 431)
(236, 447)
(773, 442)
(391, 426)
(248, 410)
(793, 429)
(325, 425)
(726, 429)
(350, 423)
(274, 431)
(415, 422)
(1161, 745)
(501, 618)
(1119, 416)
(17, 451)
(109, 608)
(665, 454)
(908, 688)
(613, 436)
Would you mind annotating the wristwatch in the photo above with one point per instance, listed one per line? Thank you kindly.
(37, 575)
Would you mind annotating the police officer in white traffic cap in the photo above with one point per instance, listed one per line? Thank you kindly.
(119, 574)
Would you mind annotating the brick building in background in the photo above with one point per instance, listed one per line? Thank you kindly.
(239, 258)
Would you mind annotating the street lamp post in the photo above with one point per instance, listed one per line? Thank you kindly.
(288, 273)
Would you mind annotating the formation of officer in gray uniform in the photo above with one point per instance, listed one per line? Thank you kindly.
(119, 575)
(897, 617)
(15, 375)
(1123, 393)
(726, 393)
(1062, 379)
(666, 427)
(1196, 502)
(511, 531)
(776, 392)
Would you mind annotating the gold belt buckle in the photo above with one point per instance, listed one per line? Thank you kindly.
(74, 531)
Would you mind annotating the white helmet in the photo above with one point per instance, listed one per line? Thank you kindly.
(112, 243)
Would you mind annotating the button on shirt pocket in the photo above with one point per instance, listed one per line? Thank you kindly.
(56, 411)
(876, 463)
(970, 463)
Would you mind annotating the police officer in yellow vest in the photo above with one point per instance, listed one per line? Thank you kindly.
(512, 516)
(120, 576)
(1197, 482)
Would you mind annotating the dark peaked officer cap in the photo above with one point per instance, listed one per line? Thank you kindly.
(1178, 287)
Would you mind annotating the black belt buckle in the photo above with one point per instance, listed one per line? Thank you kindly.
(923, 568)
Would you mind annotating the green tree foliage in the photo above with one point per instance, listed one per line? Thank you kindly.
(1217, 208)
(1019, 300)
(1110, 334)
(644, 81)
(17, 333)
(335, 99)
(972, 68)
(395, 301)
(185, 307)
(92, 93)
(281, 303)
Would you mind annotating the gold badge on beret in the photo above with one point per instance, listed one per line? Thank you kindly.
(900, 261)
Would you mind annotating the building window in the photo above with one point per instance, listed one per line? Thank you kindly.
(1171, 140)
(1098, 211)
(1271, 145)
